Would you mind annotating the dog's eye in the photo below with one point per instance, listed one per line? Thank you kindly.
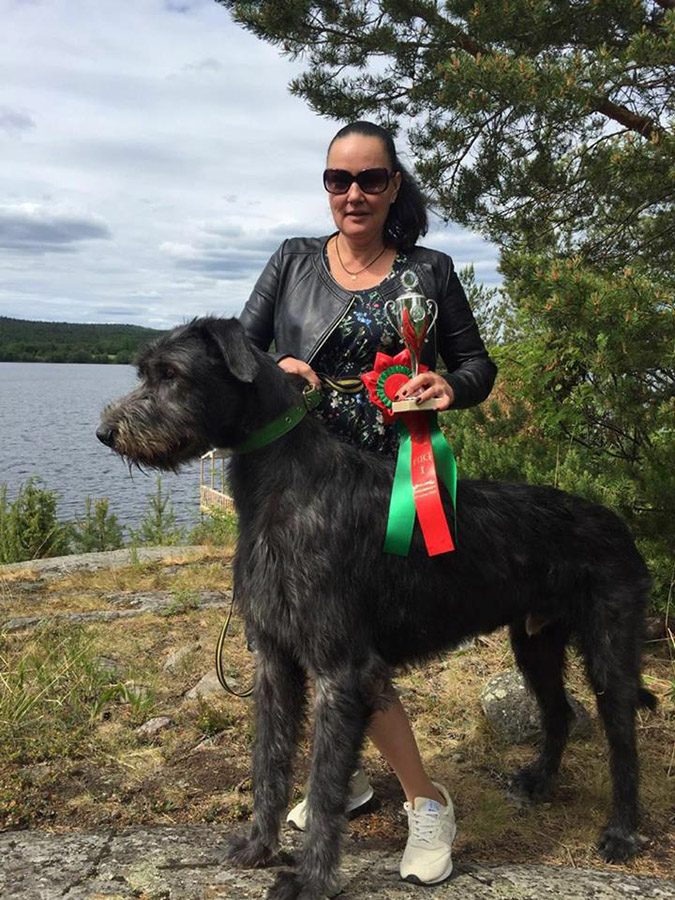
(168, 374)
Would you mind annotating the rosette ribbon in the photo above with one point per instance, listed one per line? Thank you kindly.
(424, 456)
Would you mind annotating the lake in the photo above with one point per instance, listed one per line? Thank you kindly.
(49, 413)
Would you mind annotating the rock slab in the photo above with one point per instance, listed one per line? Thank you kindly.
(104, 559)
(187, 862)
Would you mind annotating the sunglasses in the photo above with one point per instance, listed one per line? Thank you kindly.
(371, 181)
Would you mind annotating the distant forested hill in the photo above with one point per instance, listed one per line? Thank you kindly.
(24, 341)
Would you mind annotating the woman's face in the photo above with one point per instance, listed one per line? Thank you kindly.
(360, 216)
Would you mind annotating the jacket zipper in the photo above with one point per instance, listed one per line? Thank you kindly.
(334, 324)
(331, 328)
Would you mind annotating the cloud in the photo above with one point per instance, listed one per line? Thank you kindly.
(204, 65)
(150, 295)
(156, 142)
(228, 261)
(229, 252)
(13, 122)
(126, 312)
(34, 229)
(183, 7)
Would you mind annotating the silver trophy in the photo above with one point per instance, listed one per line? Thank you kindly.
(412, 316)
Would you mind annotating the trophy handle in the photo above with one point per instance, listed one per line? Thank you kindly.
(390, 312)
(432, 312)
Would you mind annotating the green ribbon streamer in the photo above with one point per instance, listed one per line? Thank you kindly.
(402, 512)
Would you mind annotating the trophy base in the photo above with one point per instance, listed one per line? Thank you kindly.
(399, 406)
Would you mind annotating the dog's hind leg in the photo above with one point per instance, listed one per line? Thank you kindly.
(279, 706)
(541, 659)
(342, 710)
(612, 652)
(619, 841)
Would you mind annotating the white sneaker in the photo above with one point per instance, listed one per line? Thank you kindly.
(360, 792)
(427, 858)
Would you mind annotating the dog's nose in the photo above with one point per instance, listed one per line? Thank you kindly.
(106, 435)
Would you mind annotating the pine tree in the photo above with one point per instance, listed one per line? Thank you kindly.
(98, 529)
(542, 123)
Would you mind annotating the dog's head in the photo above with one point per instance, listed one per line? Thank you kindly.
(195, 384)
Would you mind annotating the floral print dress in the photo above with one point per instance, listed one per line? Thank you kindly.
(350, 350)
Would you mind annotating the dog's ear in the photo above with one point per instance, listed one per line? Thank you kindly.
(232, 342)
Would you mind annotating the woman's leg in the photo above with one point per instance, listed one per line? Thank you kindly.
(391, 733)
(427, 858)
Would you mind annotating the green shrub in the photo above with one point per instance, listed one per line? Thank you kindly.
(213, 719)
(29, 528)
(98, 530)
(158, 525)
(218, 528)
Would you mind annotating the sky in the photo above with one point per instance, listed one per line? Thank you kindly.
(152, 159)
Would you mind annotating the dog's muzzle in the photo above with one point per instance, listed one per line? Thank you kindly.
(106, 435)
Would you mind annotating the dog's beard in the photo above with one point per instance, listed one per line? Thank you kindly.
(145, 442)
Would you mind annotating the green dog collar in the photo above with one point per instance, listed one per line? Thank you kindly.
(282, 424)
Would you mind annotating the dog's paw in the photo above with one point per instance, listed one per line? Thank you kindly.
(618, 844)
(289, 886)
(530, 784)
(248, 852)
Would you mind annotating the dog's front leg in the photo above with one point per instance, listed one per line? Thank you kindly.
(279, 701)
(342, 711)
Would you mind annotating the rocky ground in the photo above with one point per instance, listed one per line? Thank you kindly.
(125, 784)
(188, 863)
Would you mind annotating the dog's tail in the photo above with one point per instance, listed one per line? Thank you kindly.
(647, 699)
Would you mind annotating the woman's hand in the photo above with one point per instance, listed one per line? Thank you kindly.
(298, 367)
(428, 386)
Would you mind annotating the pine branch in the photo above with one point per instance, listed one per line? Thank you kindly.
(632, 121)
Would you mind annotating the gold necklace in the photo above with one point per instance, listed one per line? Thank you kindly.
(348, 271)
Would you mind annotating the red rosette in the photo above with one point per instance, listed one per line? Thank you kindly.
(385, 380)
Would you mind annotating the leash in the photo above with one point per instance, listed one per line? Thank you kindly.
(261, 438)
(351, 384)
(220, 672)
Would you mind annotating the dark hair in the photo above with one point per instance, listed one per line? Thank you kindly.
(407, 218)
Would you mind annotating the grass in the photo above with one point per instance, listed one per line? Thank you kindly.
(54, 690)
(56, 684)
(183, 601)
(213, 719)
(72, 757)
(211, 572)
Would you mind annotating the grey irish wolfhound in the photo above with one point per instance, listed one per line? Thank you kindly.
(323, 601)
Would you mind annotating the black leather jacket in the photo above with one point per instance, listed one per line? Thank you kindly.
(297, 304)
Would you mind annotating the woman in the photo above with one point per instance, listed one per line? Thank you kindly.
(321, 300)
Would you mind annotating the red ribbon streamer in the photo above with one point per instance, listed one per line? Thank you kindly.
(426, 494)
